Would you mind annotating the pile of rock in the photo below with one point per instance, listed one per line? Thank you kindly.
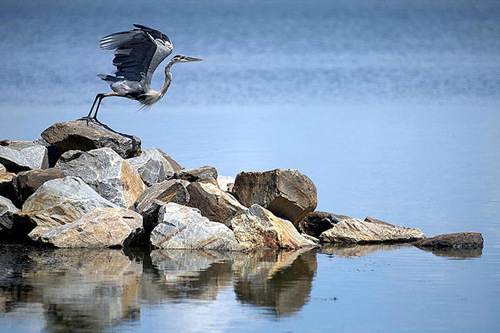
(85, 185)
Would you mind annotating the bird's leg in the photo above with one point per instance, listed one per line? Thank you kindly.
(98, 100)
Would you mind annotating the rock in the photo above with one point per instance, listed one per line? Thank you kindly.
(80, 135)
(206, 174)
(258, 228)
(225, 183)
(154, 197)
(106, 172)
(357, 231)
(461, 240)
(183, 227)
(213, 203)
(100, 228)
(57, 202)
(6, 182)
(316, 222)
(154, 166)
(7, 208)
(286, 193)
(26, 183)
(23, 155)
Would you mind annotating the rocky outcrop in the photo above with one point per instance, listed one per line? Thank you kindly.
(154, 166)
(23, 155)
(100, 228)
(316, 222)
(213, 203)
(206, 174)
(106, 172)
(357, 231)
(6, 182)
(286, 193)
(83, 135)
(26, 183)
(57, 202)
(257, 228)
(7, 208)
(151, 200)
(184, 227)
(461, 240)
(225, 183)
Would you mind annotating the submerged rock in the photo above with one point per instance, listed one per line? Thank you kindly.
(258, 228)
(23, 155)
(100, 228)
(213, 203)
(106, 172)
(286, 193)
(26, 183)
(83, 135)
(57, 202)
(353, 230)
(461, 240)
(154, 166)
(184, 227)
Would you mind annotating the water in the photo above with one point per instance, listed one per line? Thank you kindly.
(390, 107)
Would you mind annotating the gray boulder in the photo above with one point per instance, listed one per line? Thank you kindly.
(25, 183)
(213, 203)
(106, 172)
(460, 240)
(83, 135)
(352, 231)
(206, 174)
(258, 228)
(154, 197)
(57, 202)
(286, 193)
(23, 155)
(154, 166)
(184, 227)
(100, 228)
(7, 208)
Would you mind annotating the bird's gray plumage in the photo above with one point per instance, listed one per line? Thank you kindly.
(137, 55)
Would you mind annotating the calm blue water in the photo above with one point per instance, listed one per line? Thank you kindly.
(390, 107)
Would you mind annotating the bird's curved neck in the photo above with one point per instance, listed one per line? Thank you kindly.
(168, 78)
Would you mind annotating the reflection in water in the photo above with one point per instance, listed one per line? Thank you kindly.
(355, 250)
(455, 253)
(91, 290)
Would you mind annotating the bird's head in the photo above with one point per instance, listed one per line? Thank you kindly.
(183, 58)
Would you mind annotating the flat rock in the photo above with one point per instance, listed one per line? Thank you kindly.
(7, 209)
(213, 203)
(316, 222)
(23, 155)
(154, 197)
(80, 135)
(286, 193)
(184, 227)
(57, 202)
(461, 240)
(25, 183)
(106, 172)
(357, 231)
(206, 174)
(257, 228)
(100, 228)
(154, 166)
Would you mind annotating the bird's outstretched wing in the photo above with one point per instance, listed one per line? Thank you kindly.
(138, 52)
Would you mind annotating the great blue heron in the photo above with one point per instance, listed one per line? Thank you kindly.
(138, 53)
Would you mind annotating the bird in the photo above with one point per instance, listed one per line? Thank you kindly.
(137, 54)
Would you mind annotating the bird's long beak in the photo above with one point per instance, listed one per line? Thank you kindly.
(193, 59)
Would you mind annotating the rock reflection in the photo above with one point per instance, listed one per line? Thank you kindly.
(452, 253)
(279, 281)
(93, 290)
(356, 250)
